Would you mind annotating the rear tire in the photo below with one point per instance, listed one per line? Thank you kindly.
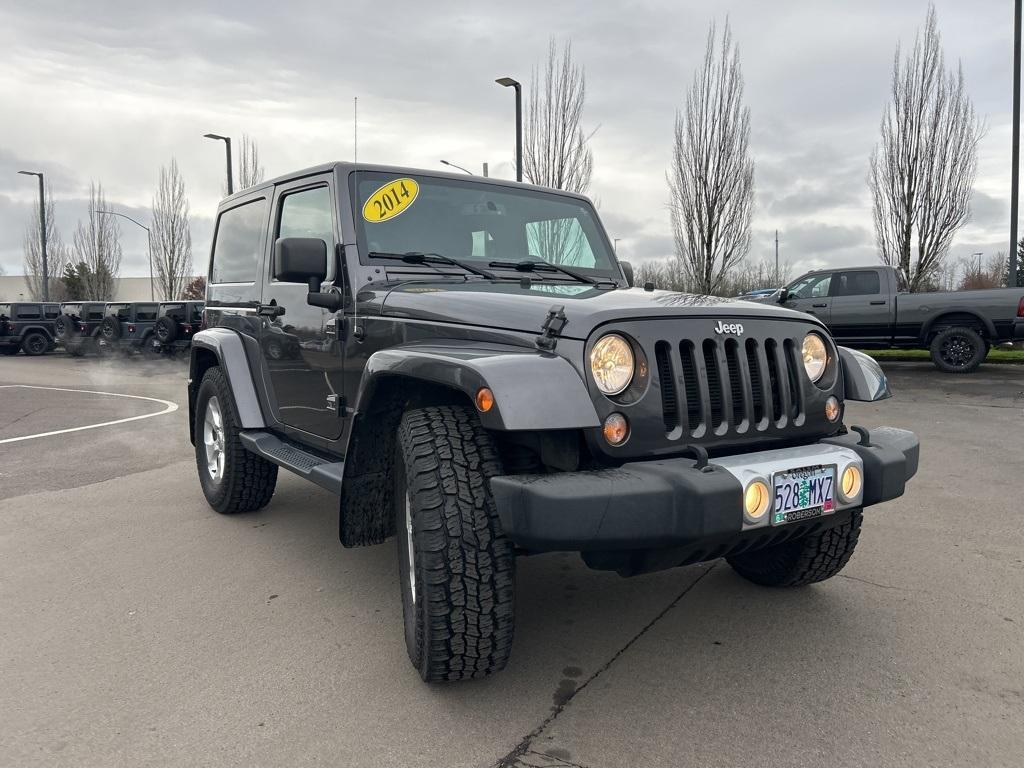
(806, 560)
(456, 567)
(958, 350)
(233, 479)
(35, 344)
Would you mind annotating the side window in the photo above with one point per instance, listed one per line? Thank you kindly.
(559, 241)
(307, 214)
(145, 313)
(812, 287)
(236, 250)
(28, 312)
(52, 311)
(858, 284)
(96, 313)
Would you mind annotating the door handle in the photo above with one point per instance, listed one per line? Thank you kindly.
(270, 310)
(819, 306)
(877, 303)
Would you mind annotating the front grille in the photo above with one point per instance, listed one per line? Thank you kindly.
(717, 386)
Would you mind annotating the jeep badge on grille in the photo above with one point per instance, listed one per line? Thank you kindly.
(734, 328)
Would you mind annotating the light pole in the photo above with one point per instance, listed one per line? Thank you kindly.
(453, 165)
(227, 151)
(1015, 152)
(42, 231)
(979, 254)
(149, 246)
(508, 82)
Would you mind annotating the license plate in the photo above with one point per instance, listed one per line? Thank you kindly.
(804, 493)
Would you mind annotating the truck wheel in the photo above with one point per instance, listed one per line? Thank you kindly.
(35, 344)
(958, 350)
(801, 561)
(233, 479)
(456, 567)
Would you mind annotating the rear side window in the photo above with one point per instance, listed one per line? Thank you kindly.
(858, 284)
(52, 311)
(29, 312)
(120, 311)
(96, 313)
(236, 250)
(72, 310)
(145, 312)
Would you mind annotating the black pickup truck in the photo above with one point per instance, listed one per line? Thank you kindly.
(869, 308)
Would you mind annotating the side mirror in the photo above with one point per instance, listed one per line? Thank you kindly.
(627, 272)
(783, 296)
(301, 260)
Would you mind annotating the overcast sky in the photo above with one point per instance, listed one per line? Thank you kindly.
(110, 91)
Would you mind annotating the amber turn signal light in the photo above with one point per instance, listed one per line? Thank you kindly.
(484, 399)
(615, 429)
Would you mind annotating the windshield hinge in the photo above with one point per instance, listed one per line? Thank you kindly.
(552, 328)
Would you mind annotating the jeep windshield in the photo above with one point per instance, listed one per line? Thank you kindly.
(489, 226)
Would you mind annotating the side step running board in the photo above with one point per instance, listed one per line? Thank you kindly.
(325, 473)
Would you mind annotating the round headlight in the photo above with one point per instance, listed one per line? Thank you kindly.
(815, 355)
(611, 364)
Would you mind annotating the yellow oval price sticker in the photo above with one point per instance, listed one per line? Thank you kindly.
(390, 200)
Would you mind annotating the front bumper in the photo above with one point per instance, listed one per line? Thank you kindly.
(668, 503)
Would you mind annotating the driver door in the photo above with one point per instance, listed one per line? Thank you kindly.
(811, 295)
(298, 341)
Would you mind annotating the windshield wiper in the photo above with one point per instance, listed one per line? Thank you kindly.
(415, 257)
(530, 265)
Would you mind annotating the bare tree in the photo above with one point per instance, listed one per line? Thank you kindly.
(57, 256)
(196, 288)
(556, 151)
(711, 180)
(97, 244)
(250, 172)
(923, 168)
(172, 238)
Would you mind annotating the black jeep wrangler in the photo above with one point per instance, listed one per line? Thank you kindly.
(27, 326)
(176, 322)
(128, 327)
(474, 375)
(78, 326)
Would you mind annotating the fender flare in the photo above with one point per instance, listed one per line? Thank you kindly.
(36, 328)
(532, 390)
(226, 345)
(988, 325)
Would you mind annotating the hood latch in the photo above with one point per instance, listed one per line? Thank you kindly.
(552, 328)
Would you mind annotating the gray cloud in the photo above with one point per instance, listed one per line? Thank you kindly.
(112, 90)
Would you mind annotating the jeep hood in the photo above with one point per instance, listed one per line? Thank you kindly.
(510, 306)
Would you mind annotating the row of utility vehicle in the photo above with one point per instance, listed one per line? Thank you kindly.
(100, 328)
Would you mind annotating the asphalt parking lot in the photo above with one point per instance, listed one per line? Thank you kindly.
(140, 628)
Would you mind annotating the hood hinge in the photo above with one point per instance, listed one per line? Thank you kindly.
(552, 328)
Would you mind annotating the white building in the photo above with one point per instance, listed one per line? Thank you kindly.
(14, 288)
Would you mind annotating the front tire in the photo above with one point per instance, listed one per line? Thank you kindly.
(456, 566)
(233, 479)
(35, 344)
(958, 350)
(806, 560)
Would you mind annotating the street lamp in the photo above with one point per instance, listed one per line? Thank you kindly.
(979, 254)
(1015, 150)
(227, 151)
(42, 231)
(453, 165)
(508, 82)
(149, 246)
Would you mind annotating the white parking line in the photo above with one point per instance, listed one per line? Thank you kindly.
(170, 408)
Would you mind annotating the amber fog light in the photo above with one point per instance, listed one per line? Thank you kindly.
(484, 400)
(756, 500)
(832, 409)
(615, 429)
(851, 482)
